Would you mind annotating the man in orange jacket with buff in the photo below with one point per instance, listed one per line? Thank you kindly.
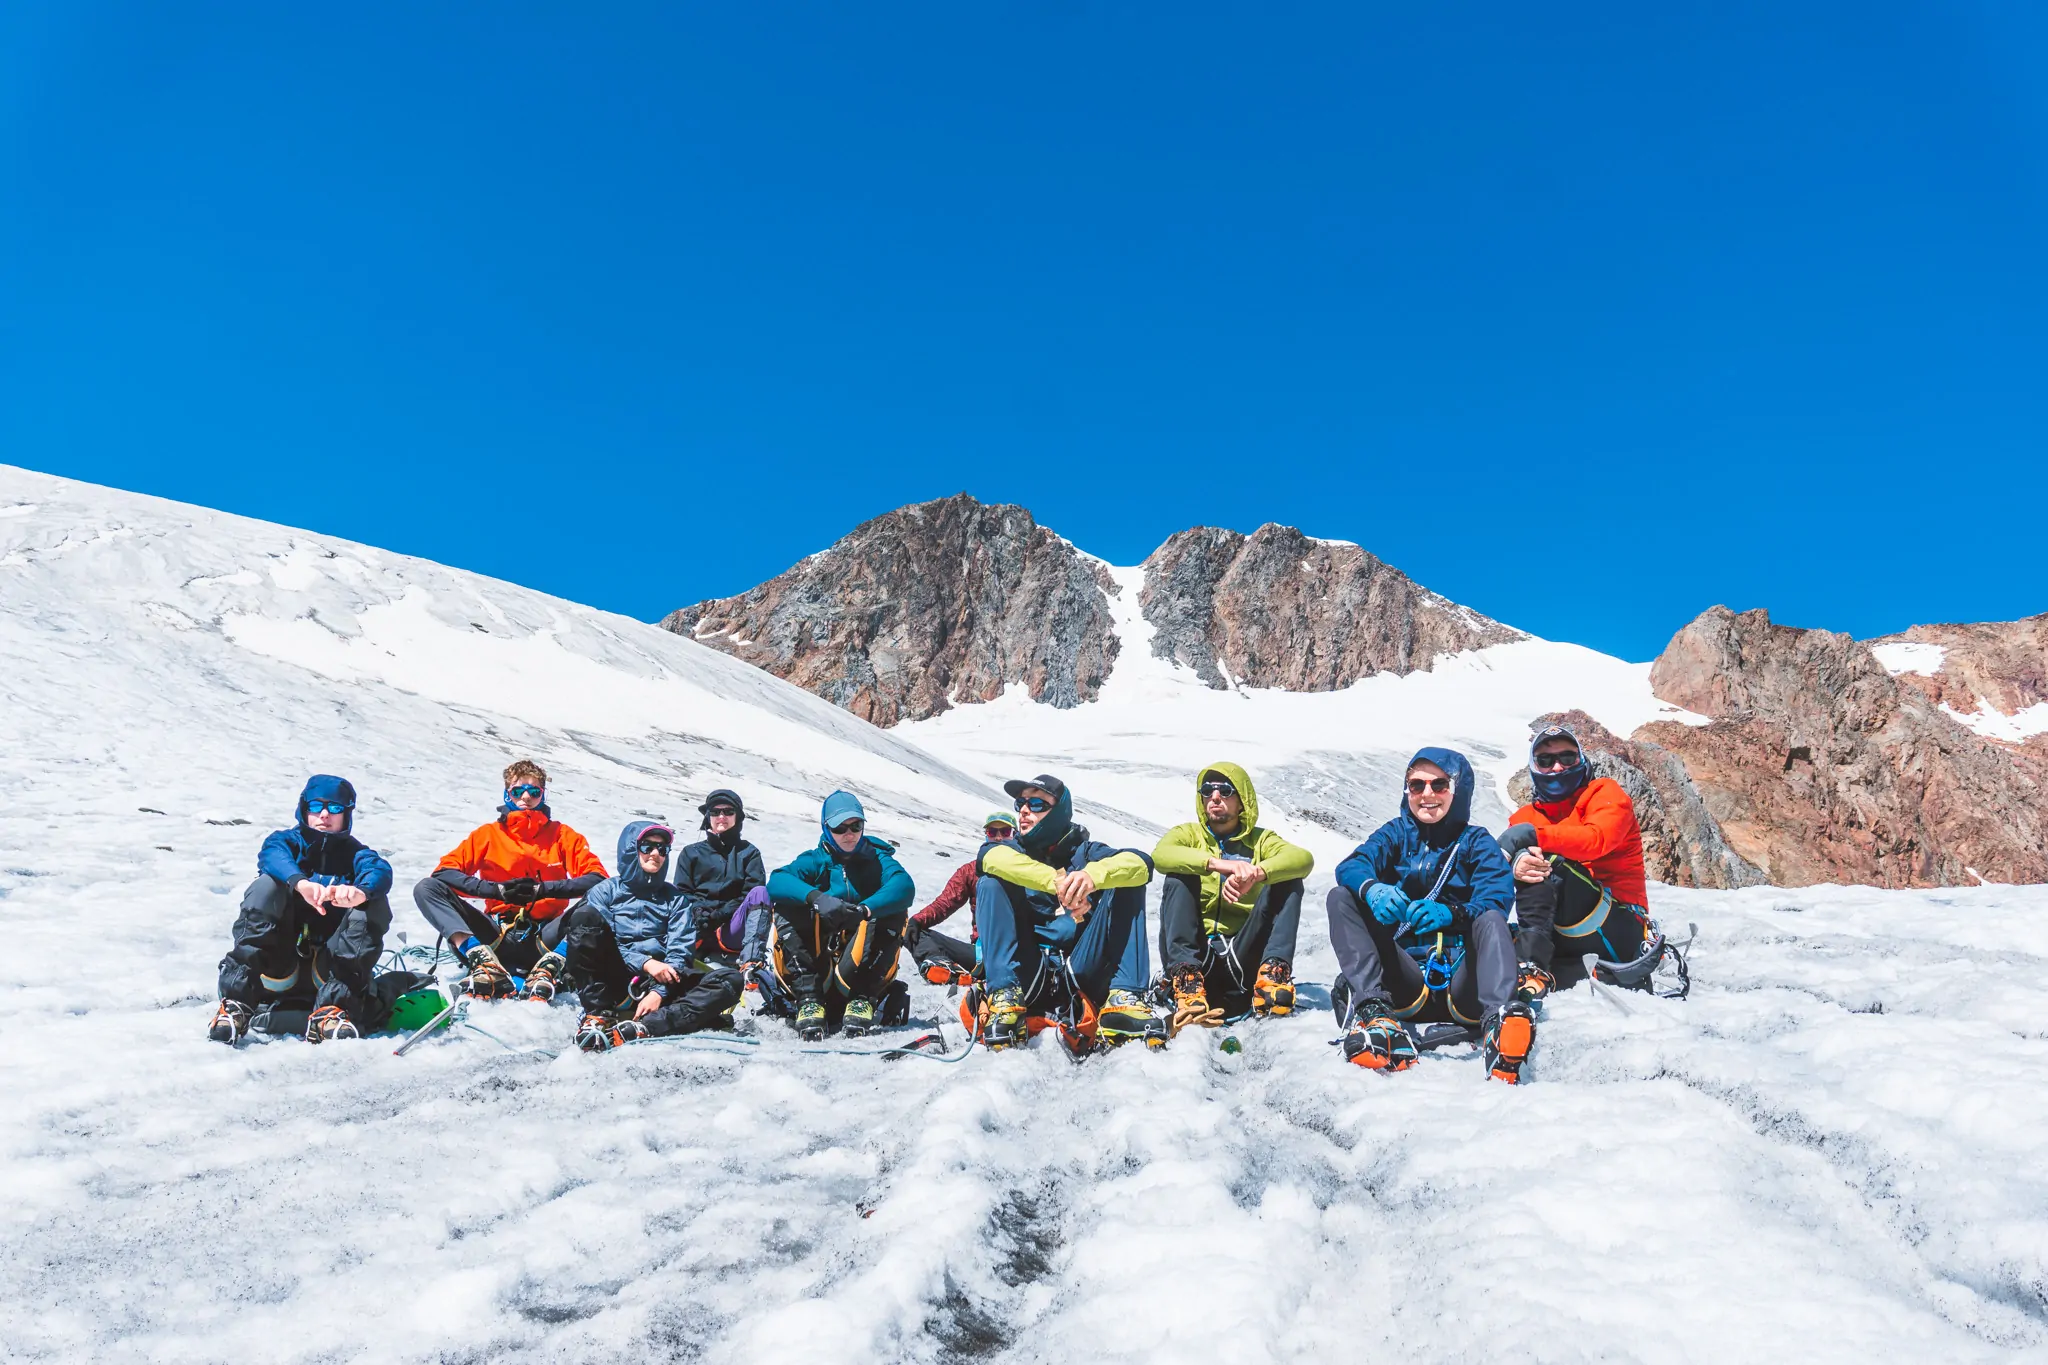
(527, 868)
(1577, 857)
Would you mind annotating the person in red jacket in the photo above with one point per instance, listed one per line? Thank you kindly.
(1577, 857)
(527, 868)
(941, 958)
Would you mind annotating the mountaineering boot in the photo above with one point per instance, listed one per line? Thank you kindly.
(810, 1019)
(487, 979)
(230, 1022)
(1005, 1023)
(1506, 1038)
(859, 1019)
(1532, 983)
(330, 1022)
(1126, 1016)
(946, 974)
(1190, 999)
(602, 1033)
(1377, 1040)
(1273, 992)
(544, 978)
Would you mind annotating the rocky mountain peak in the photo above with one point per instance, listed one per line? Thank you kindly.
(1280, 609)
(1820, 766)
(922, 607)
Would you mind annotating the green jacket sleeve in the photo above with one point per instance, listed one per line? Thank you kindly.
(1284, 862)
(1183, 851)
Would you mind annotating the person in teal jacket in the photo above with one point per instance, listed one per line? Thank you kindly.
(839, 914)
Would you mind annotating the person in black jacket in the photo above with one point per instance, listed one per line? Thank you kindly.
(725, 884)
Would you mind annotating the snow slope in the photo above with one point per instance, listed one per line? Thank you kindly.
(1776, 1169)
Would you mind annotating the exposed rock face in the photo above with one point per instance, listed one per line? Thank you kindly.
(1278, 609)
(1682, 844)
(1820, 766)
(2003, 664)
(932, 603)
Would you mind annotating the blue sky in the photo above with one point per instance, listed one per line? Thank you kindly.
(1588, 317)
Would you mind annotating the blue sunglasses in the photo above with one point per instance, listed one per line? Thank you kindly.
(327, 807)
(1036, 804)
(527, 790)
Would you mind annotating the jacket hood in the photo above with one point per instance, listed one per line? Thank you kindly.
(630, 872)
(324, 787)
(1238, 778)
(1463, 784)
(1055, 824)
(1552, 787)
(725, 796)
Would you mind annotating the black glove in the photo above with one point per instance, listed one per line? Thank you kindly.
(912, 932)
(522, 891)
(1515, 838)
(835, 913)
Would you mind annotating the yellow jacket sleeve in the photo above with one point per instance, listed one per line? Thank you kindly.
(1182, 851)
(1018, 868)
(1118, 871)
(1284, 862)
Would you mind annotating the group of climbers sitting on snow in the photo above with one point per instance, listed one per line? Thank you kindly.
(1419, 918)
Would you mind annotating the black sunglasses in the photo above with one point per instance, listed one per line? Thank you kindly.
(654, 846)
(1036, 804)
(1564, 758)
(1418, 785)
(850, 827)
(722, 810)
(1218, 789)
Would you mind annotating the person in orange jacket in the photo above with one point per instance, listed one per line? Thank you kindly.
(527, 868)
(1577, 857)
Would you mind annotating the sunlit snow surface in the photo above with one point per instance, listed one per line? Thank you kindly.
(1775, 1169)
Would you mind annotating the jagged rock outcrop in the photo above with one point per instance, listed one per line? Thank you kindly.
(2000, 664)
(1280, 609)
(1819, 766)
(1682, 843)
(929, 604)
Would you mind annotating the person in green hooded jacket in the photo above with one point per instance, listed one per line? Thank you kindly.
(1230, 897)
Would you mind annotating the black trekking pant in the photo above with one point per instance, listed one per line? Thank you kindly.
(285, 949)
(1560, 920)
(700, 1000)
(1229, 966)
(517, 946)
(933, 946)
(1371, 962)
(815, 961)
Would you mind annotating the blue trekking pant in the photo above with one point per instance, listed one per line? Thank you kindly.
(1019, 928)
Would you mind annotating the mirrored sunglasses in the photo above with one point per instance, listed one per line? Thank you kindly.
(1034, 803)
(527, 789)
(327, 807)
(850, 827)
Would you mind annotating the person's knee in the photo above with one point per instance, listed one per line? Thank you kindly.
(429, 891)
(268, 897)
(1340, 901)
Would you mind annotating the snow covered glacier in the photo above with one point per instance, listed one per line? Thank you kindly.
(1833, 1150)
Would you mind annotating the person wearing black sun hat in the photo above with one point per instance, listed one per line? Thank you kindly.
(1053, 888)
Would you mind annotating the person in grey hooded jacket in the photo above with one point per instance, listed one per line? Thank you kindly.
(633, 930)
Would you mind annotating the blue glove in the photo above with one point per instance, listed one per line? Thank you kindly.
(1389, 904)
(1427, 917)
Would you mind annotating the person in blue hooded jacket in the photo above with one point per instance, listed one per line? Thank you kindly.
(1418, 919)
(311, 924)
(1050, 888)
(839, 914)
(636, 926)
